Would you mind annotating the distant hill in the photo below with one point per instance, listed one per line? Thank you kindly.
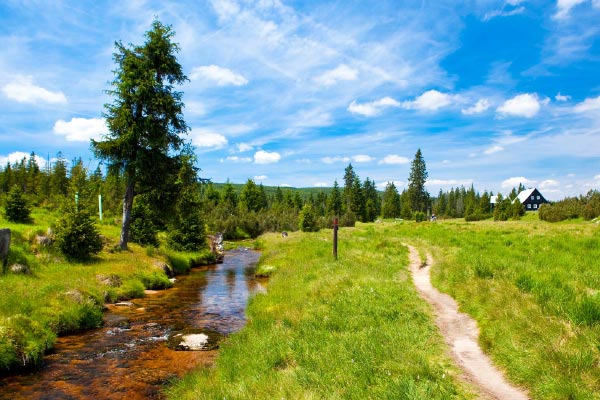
(271, 190)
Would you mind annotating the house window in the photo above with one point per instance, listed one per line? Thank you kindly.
(538, 197)
(532, 197)
(529, 206)
(535, 206)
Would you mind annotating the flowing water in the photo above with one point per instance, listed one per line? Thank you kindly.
(128, 357)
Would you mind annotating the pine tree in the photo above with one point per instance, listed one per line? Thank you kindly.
(145, 120)
(391, 202)
(334, 202)
(419, 197)
(16, 208)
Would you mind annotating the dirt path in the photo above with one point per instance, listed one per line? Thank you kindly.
(461, 332)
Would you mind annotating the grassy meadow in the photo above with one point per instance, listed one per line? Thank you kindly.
(352, 328)
(60, 296)
(356, 328)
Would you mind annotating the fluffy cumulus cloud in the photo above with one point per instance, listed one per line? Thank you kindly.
(17, 156)
(525, 105)
(219, 75)
(320, 184)
(341, 73)
(373, 108)
(265, 157)
(515, 181)
(81, 129)
(260, 177)
(431, 100)
(589, 104)
(242, 147)
(362, 158)
(561, 97)
(394, 159)
(204, 138)
(23, 90)
(477, 108)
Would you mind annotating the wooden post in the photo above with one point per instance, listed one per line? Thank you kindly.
(335, 237)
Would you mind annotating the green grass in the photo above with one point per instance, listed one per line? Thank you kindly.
(61, 297)
(354, 328)
(534, 289)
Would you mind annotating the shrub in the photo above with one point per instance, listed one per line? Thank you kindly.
(77, 236)
(420, 216)
(142, 229)
(307, 220)
(16, 208)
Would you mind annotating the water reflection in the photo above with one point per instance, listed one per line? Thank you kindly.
(128, 357)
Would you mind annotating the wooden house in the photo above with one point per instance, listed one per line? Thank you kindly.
(531, 198)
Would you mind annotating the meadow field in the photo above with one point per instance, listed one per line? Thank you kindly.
(356, 328)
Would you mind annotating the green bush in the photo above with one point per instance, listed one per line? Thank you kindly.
(16, 208)
(307, 220)
(142, 229)
(420, 216)
(77, 236)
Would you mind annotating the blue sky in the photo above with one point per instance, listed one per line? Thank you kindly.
(495, 93)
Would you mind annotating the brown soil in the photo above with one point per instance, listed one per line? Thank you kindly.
(461, 332)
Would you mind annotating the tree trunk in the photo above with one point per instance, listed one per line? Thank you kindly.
(127, 206)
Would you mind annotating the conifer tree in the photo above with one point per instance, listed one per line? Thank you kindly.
(145, 119)
(334, 201)
(390, 207)
(418, 195)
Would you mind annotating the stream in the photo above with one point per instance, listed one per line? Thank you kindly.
(128, 357)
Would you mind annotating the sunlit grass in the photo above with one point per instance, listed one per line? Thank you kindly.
(352, 328)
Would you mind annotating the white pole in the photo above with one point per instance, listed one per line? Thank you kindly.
(100, 206)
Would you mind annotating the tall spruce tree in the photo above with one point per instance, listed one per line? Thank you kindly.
(145, 119)
(418, 195)
(391, 202)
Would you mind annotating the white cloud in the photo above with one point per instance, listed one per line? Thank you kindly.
(341, 73)
(242, 147)
(431, 100)
(565, 6)
(337, 159)
(362, 158)
(220, 75)
(597, 178)
(17, 156)
(320, 184)
(493, 149)
(515, 181)
(237, 159)
(264, 157)
(560, 97)
(477, 108)
(260, 177)
(373, 108)
(81, 129)
(548, 184)
(24, 91)
(394, 159)
(204, 138)
(504, 13)
(589, 104)
(524, 105)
